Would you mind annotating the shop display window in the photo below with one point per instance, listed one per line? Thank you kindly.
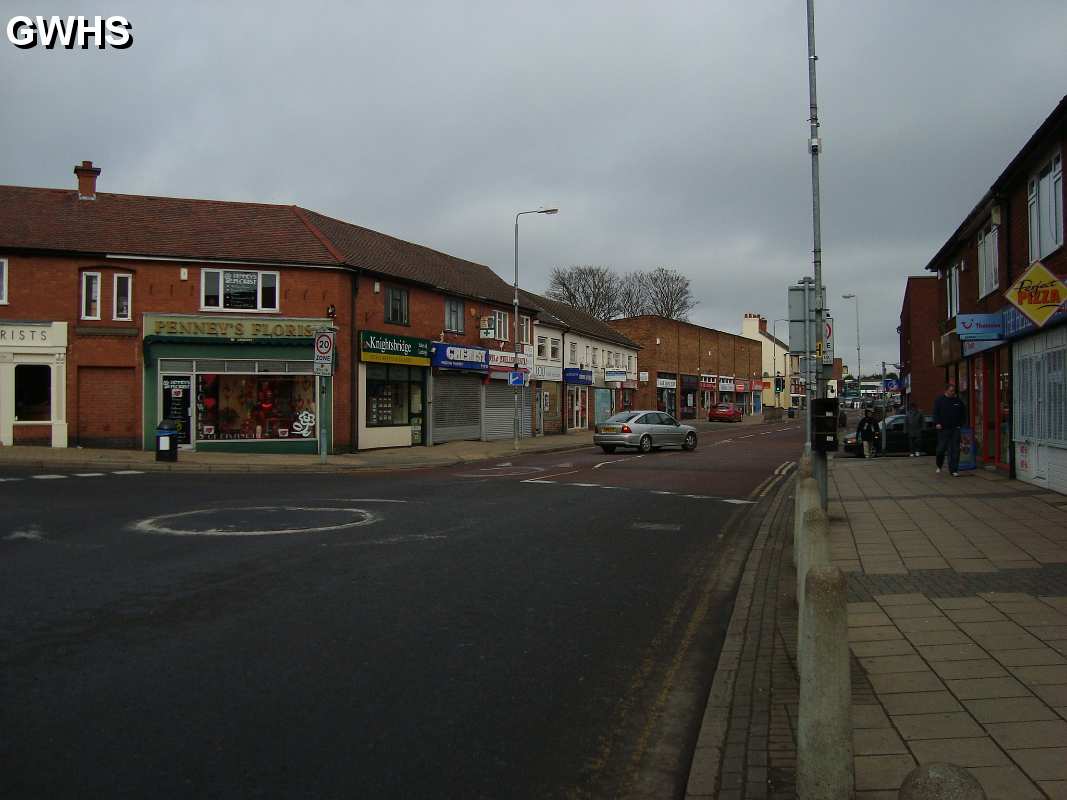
(394, 395)
(234, 407)
(33, 393)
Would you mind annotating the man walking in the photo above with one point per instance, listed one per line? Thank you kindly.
(949, 416)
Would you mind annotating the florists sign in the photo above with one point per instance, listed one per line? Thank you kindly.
(1038, 293)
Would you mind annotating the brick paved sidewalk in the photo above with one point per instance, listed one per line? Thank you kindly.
(957, 624)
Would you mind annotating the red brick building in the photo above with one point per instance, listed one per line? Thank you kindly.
(921, 381)
(119, 310)
(687, 369)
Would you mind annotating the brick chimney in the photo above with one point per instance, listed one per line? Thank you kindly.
(763, 324)
(87, 180)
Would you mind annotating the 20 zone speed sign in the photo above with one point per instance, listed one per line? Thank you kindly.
(324, 353)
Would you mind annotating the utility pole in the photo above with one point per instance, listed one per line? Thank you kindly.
(819, 464)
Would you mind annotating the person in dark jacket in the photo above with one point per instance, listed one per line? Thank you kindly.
(950, 414)
(866, 432)
(914, 422)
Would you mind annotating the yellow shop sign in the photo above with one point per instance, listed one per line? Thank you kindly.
(1038, 293)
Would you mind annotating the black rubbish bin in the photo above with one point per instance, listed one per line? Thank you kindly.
(167, 440)
(792, 412)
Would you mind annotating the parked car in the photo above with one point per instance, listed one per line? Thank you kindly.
(725, 412)
(894, 433)
(645, 430)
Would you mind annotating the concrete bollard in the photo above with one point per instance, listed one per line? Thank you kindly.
(938, 781)
(806, 496)
(814, 547)
(824, 729)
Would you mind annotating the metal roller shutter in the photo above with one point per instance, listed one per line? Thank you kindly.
(456, 407)
(500, 410)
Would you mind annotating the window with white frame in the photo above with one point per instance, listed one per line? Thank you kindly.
(629, 363)
(453, 315)
(542, 345)
(554, 349)
(502, 330)
(1039, 373)
(3, 282)
(238, 290)
(1045, 208)
(396, 305)
(595, 357)
(90, 295)
(524, 329)
(952, 289)
(574, 353)
(586, 355)
(122, 305)
(987, 260)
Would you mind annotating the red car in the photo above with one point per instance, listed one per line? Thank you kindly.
(725, 412)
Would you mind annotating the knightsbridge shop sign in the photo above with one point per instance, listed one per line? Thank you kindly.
(389, 348)
(230, 327)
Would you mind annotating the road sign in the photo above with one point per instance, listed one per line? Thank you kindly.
(324, 343)
(516, 378)
(828, 336)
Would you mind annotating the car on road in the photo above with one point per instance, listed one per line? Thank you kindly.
(725, 412)
(894, 433)
(645, 430)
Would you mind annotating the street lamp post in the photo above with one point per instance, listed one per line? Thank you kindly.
(859, 367)
(785, 377)
(518, 344)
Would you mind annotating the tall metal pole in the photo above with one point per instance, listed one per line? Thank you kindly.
(819, 466)
(859, 368)
(515, 443)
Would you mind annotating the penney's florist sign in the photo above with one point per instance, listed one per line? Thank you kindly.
(388, 348)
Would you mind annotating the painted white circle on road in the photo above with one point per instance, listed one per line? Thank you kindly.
(166, 523)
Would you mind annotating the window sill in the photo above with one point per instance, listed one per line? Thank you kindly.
(398, 324)
(106, 330)
(210, 310)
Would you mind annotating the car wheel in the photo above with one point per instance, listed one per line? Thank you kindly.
(608, 448)
(690, 442)
(646, 444)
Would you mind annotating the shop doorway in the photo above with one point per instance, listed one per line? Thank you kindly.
(578, 416)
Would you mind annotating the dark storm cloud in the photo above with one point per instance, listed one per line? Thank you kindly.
(668, 134)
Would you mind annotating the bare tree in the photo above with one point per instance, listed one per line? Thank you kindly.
(593, 289)
(634, 295)
(669, 294)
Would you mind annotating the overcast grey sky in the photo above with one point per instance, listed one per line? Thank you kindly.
(669, 134)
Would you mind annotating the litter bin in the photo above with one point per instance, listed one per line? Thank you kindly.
(792, 412)
(167, 440)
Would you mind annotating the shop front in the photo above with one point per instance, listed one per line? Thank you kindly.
(709, 385)
(689, 395)
(667, 393)
(392, 394)
(499, 414)
(577, 382)
(741, 395)
(33, 383)
(726, 390)
(459, 371)
(548, 398)
(234, 383)
(622, 395)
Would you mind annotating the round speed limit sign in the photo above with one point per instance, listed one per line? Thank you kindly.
(323, 344)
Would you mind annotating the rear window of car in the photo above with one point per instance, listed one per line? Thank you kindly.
(625, 416)
(723, 407)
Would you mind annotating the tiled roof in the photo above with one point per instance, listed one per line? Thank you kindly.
(56, 220)
(582, 322)
(543, 315)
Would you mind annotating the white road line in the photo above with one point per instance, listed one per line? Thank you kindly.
(739, 502)
(47, 477)
(657, 491)
(586, 485)
(9, 480)
(556, 475)
(656, 526)
(767, 433)
(537, 480)
(724, 441)
(746, 436)
(127, 472)
(88, 474)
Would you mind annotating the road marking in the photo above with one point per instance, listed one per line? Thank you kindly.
(6, 480)
(657, 491)
(32, 534)
(616, 461)
(558, 474)
(656, 526)
(364, 500)
(724, 441)
(746, 436)
(537, 480)
(586, 485)
(47, 477)
(158, 524)
(739, 502)
(127, 472)
(88, 474)
(767, 433)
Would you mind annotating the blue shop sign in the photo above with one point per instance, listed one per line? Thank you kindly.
(583, 377)
(459, 356)
(979, 327)
(1016, 323)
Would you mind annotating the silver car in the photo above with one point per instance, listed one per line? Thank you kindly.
(645, 430)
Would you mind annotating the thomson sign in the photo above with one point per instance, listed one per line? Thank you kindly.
(70, 32)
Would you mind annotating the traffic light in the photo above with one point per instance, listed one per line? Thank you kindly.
(779, 384)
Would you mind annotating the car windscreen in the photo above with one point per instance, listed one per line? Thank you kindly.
(625, 416)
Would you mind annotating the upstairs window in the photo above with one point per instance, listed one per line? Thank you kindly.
(629, 363)
(3, 282)
(90, 295)
(988, 262)
(595, 357)
(396, 305)
(952, 289)
(574, 353)
(554, 351)
(454, 315)
(502, 330)
(238, 290)
(1045, 208)
(542, 344)
(524, 330)
(123, 299)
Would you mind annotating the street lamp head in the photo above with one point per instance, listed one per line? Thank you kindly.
(848, 297)
(548, 211)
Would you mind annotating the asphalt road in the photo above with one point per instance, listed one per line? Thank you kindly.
(546, 627)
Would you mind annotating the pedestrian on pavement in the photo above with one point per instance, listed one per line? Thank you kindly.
(949, 415)
(866, 432)
(914, 422)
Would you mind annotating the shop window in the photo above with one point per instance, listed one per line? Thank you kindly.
(90, 295)
(123, 298)
(394, 395)
(396, 305)
(33, 393)
(1045, 208)
(554, 349)
(453, 315)
(3, 282)
(542, 345)
(524, 329)
(238, 290)
(234, 407)
(502, 330)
